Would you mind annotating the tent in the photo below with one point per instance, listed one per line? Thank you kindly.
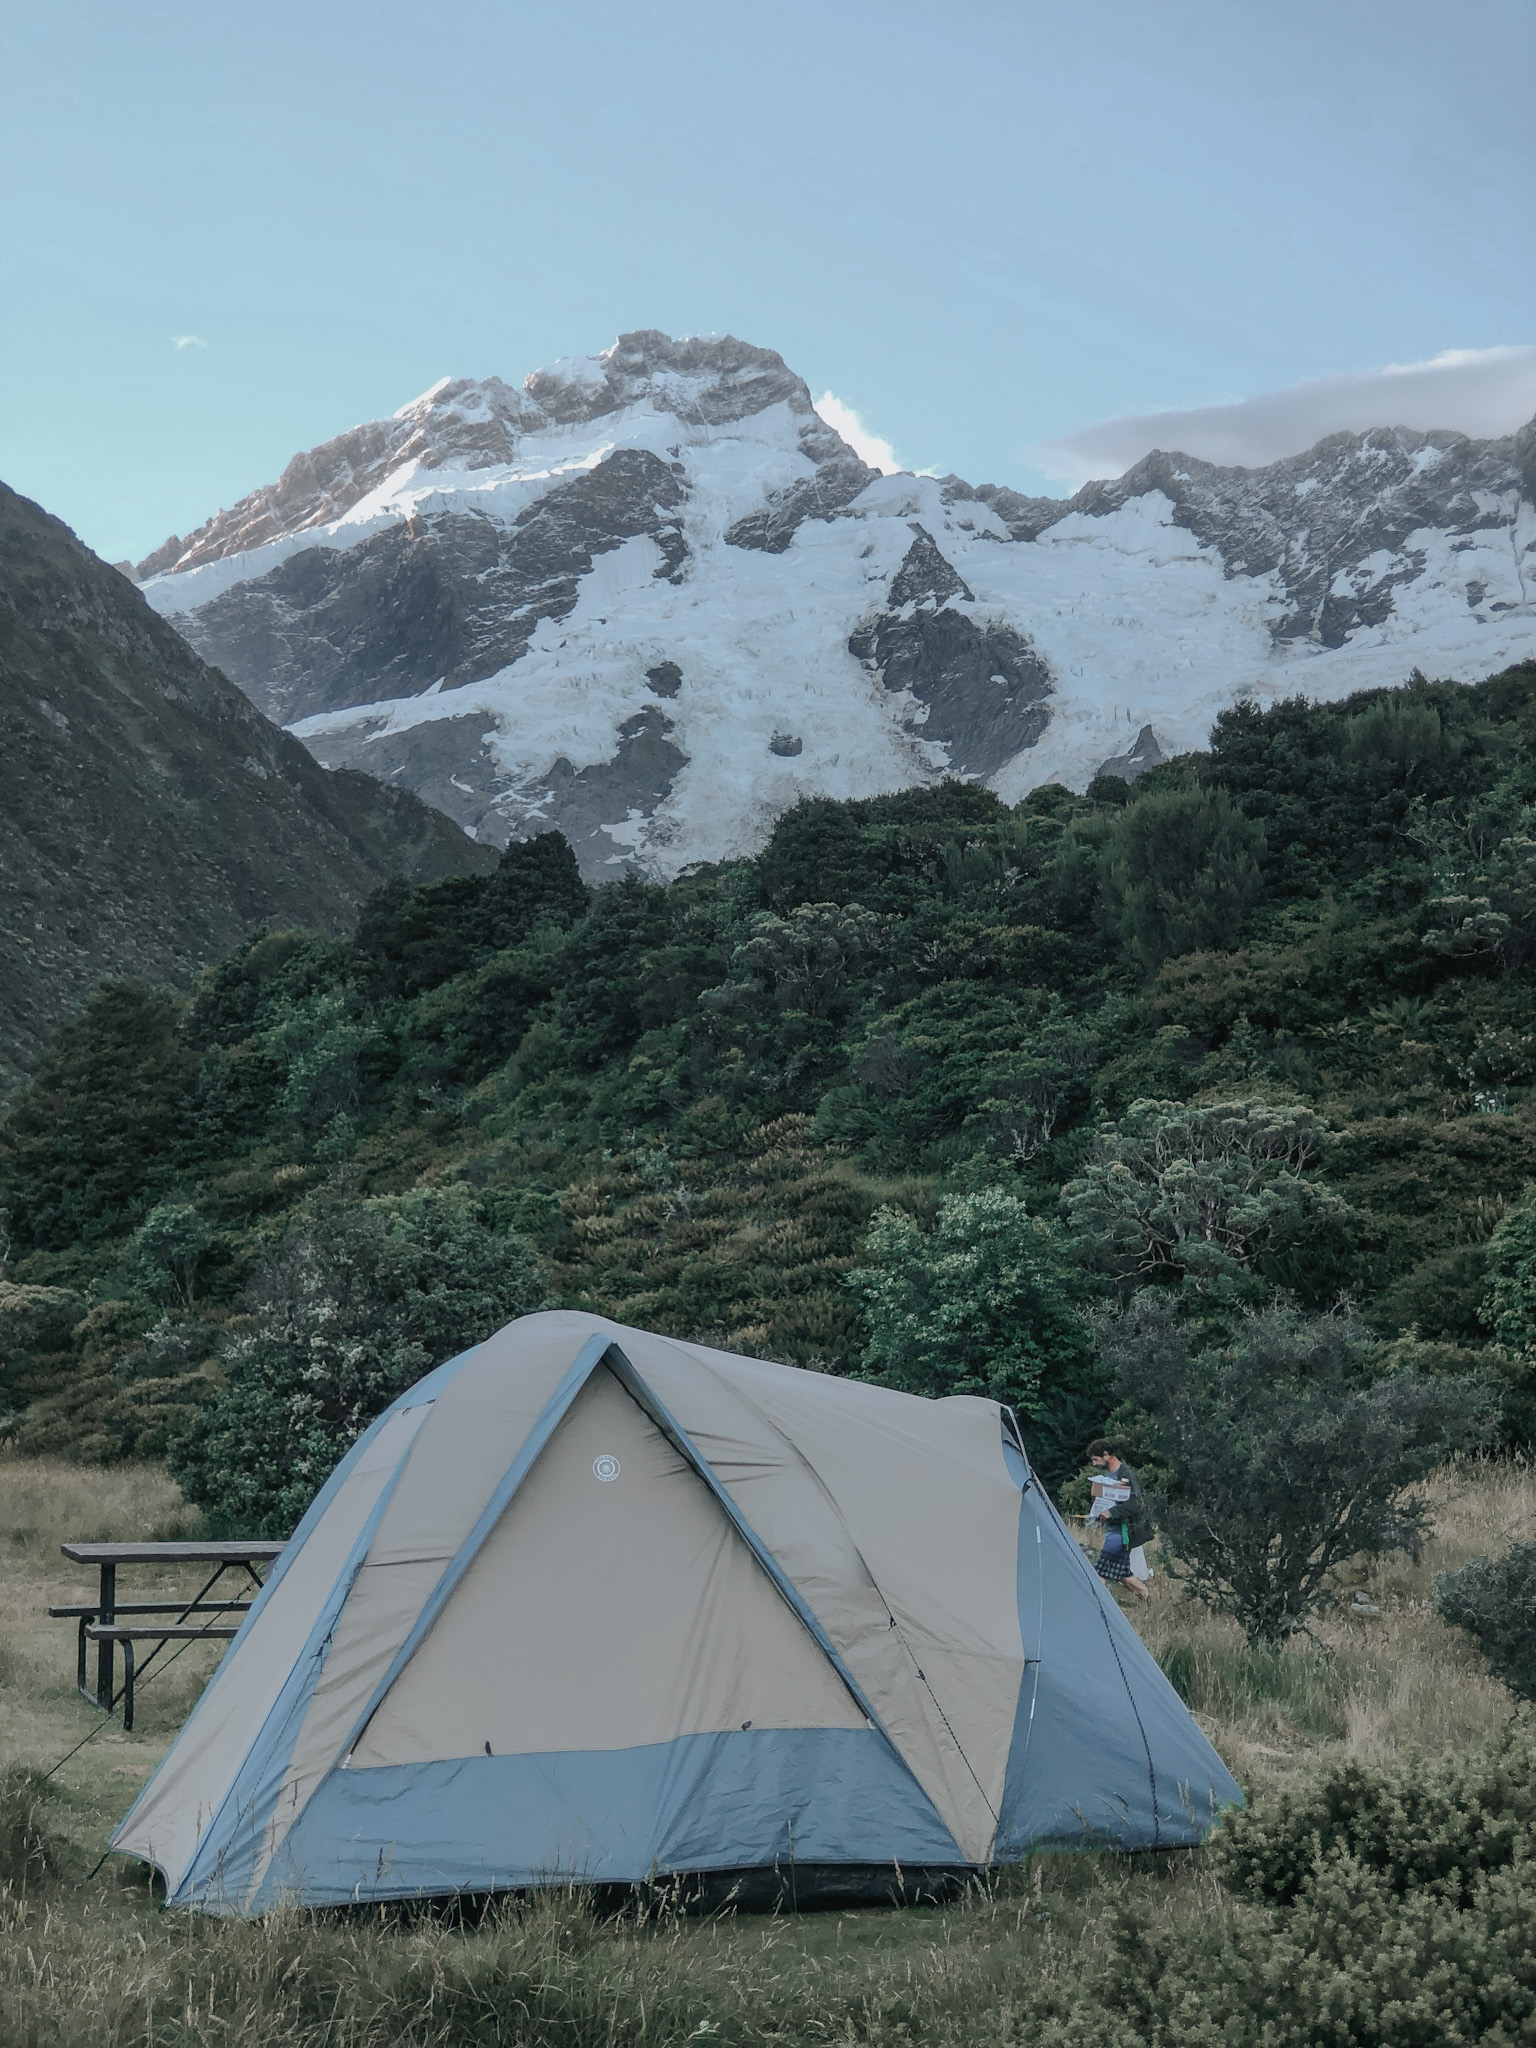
(592, 1604)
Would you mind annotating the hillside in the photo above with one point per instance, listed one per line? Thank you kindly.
(651, 598)
(1309, 950)
(152, 816)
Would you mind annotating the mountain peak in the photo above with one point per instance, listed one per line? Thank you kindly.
(463, 423)
(475, 599)
(706, 379)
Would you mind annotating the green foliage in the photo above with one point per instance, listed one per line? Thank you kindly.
(878, 851)
(1509, 1303)
(807, 963)
(166, 1250)
(1216, 1199)
(104, 1110)
(34, 1319)
(1290, 1455)
(120, 1385)
(1334, 786)
(1436, 1827)
(1276, 1075)
(980, 1304)
(965, 1068)
(411, 940)
(745, 1247)
(316, 1044)
(355, 1303)
(1180, 872)
(1494, 1600)
(1351, 1965)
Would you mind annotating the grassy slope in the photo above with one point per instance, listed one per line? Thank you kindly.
(91, 1963)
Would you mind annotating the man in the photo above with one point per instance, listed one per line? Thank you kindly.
(1127, 1522)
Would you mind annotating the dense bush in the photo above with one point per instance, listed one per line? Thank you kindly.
(166, 1250)
(355, 1303)
(1289, 1454)
(1352, 1965)
(107, 1106)
(1180, 873)
(1509, 1300)
(1494, 1600)
(982, 1304)
(1228, 1010)
(1218, 1198)
(1435, 1827)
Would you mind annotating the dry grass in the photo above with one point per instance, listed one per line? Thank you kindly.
(45, 1502)
(1365, 1684)
(91, 1963)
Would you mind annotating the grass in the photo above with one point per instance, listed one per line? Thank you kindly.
(90, 1962)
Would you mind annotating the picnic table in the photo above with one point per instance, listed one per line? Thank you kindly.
(103, 1622)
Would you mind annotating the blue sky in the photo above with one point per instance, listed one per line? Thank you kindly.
(983, 226)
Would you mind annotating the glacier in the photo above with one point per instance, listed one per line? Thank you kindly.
(651, 597)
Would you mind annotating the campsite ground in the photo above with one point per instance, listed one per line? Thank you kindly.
(89, 1961)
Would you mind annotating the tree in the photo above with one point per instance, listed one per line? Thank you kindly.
(1509, 1301)
(352, 1307)
(409, 940)
(316, 1041)
(1290, 1455)
(1005, 1070)
(107, 1108)
(981, 1304)
(1494, 1600)
(808, 961)
(1508, 1308)
(1179, 873)
(166, 1250)
(1215, 1199)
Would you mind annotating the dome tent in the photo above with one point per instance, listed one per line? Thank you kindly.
(592, 1604)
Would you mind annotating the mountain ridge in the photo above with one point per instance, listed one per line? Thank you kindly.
(154, 817)
(470, 599)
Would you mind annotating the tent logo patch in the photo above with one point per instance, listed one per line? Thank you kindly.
(606, 1467)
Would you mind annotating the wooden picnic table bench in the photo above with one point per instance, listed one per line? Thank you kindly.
(99, 1621)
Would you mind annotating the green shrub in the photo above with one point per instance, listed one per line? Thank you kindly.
(166, 1250)
(107, 1103)
(1220, 1199)
(1289, 1454)
(981, 1305)
(1352, 1965)
(1509, 1299)
(1494, 1600)
(1179, 873)
(356, 1303)
(1430, 1827)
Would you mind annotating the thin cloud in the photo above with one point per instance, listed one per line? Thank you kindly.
(1479, 391)
(181, 341)
(868, 446)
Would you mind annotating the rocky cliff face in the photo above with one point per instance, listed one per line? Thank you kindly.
(152, 816)
(652, 598)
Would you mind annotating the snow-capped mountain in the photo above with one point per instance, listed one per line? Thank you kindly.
(652, 598)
